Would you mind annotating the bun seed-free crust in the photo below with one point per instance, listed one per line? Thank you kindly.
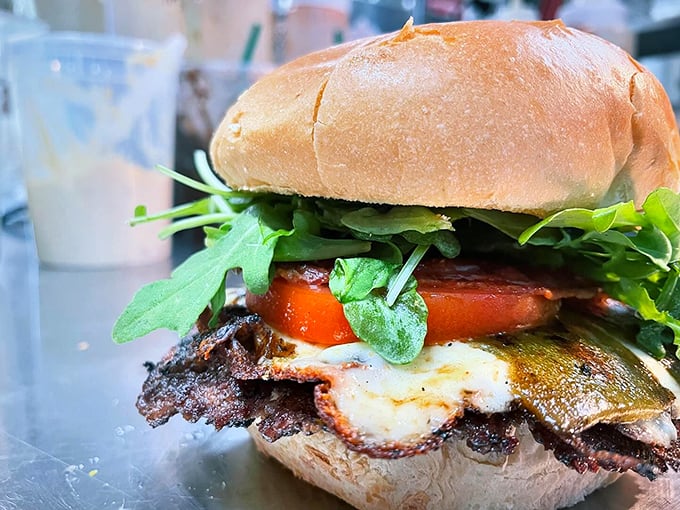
(515, 116)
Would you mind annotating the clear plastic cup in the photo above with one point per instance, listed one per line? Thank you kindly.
(97, 114)
(12, 193)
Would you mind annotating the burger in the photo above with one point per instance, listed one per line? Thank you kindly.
(460, 252)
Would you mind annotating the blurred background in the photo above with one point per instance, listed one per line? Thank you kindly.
(223, 46)
(93, 95)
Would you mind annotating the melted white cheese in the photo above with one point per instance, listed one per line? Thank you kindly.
(659, 431)
(403, 402)
(665, 379)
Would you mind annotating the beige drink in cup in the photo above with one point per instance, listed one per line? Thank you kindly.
(97, 113)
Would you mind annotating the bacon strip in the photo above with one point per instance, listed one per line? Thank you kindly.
(219, 376)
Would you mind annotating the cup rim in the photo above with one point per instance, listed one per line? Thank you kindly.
(90, 41)
(21, 28)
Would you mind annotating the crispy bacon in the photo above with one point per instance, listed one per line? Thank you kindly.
(214, 376)
(466, 275)
(218, 375)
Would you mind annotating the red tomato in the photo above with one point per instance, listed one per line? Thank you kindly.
(463, 300)
(300, 310)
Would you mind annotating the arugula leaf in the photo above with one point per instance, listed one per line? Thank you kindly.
(369, 220)
(217, 303)
(599, 220)
(511, 224)
(444, 240)
(303, 244)
(649, 242)
(253, 238)
(663, 209)
(196, 221)
(354, 279)
(654, 336)
(669, 297)
(631, 252)
(397, 333)
(638, 297)
(176, 303)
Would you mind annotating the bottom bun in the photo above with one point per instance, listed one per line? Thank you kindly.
(453, 477)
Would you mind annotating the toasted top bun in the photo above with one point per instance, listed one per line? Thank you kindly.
(516, 116)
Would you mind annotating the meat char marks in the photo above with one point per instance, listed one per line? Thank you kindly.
(224, 376)
(214, 375)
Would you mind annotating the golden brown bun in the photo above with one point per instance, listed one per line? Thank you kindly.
(516, 116)
(452, 478)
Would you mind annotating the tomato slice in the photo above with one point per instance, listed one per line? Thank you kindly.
(303, 311)
(463, 300)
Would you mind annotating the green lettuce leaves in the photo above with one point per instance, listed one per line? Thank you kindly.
(396, 331)
(633, 254)
(177, 302)
(376, 250)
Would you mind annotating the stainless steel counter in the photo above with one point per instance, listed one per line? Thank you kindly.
(71, 438)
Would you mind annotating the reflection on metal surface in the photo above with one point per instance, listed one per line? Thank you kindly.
(19, 321)
(71, 438)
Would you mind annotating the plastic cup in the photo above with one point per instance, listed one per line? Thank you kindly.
(12, 192)
(97, 114)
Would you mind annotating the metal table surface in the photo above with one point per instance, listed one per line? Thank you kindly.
(71, 438)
